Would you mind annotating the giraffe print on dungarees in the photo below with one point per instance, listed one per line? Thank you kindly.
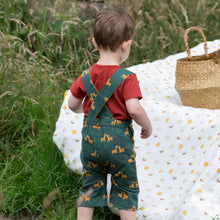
(126, 132)
(91, 164)
(134, 184)
(121, 174)
(85, 123)
(124, 76)
(118, 149)
(84, 197)
(95, 154)
(106, 138)
(132, 159)
(99, 184)
(134, 208)
(116, 122)
(84, 173)
(88, 139)
(108, 82)
(85, 72)
(107, 164)
(97, 126)
(123, 195)
(92, 95)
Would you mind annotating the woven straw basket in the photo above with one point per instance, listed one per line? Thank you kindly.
(198, 77)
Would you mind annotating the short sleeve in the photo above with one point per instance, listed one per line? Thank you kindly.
(77, 89)
(131, 88)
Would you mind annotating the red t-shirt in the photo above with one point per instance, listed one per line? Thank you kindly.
(99, 74)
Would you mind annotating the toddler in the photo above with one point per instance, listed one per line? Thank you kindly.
(109, 95)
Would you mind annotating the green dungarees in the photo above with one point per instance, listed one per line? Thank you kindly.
(107, 147)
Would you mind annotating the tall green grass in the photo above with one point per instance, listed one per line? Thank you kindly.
(43, 47)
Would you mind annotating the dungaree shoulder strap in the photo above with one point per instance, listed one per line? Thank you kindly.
(92, 92)
(98, 104)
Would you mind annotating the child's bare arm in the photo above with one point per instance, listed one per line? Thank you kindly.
(139, 115)
(75, 104)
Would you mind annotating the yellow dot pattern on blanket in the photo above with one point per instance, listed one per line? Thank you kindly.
(179, 165)
(199, 190)
(180, 146)
(146, 167)
(206, 164)
(73, 131)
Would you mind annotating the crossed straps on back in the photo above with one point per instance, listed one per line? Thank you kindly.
(99, 99)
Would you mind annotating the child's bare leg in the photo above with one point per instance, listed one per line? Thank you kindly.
(127, 215)
(85, 213)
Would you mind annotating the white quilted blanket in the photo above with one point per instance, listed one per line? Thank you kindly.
(179, 165)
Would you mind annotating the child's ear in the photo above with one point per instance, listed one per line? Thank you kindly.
(95, 44)
(125, 45)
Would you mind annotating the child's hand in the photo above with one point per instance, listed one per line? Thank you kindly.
(145, 133)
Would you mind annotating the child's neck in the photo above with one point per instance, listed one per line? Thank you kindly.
(108, 57)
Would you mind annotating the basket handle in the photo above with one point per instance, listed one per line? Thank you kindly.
(186, 41)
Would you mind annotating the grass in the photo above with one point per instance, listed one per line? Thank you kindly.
(43, 48)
